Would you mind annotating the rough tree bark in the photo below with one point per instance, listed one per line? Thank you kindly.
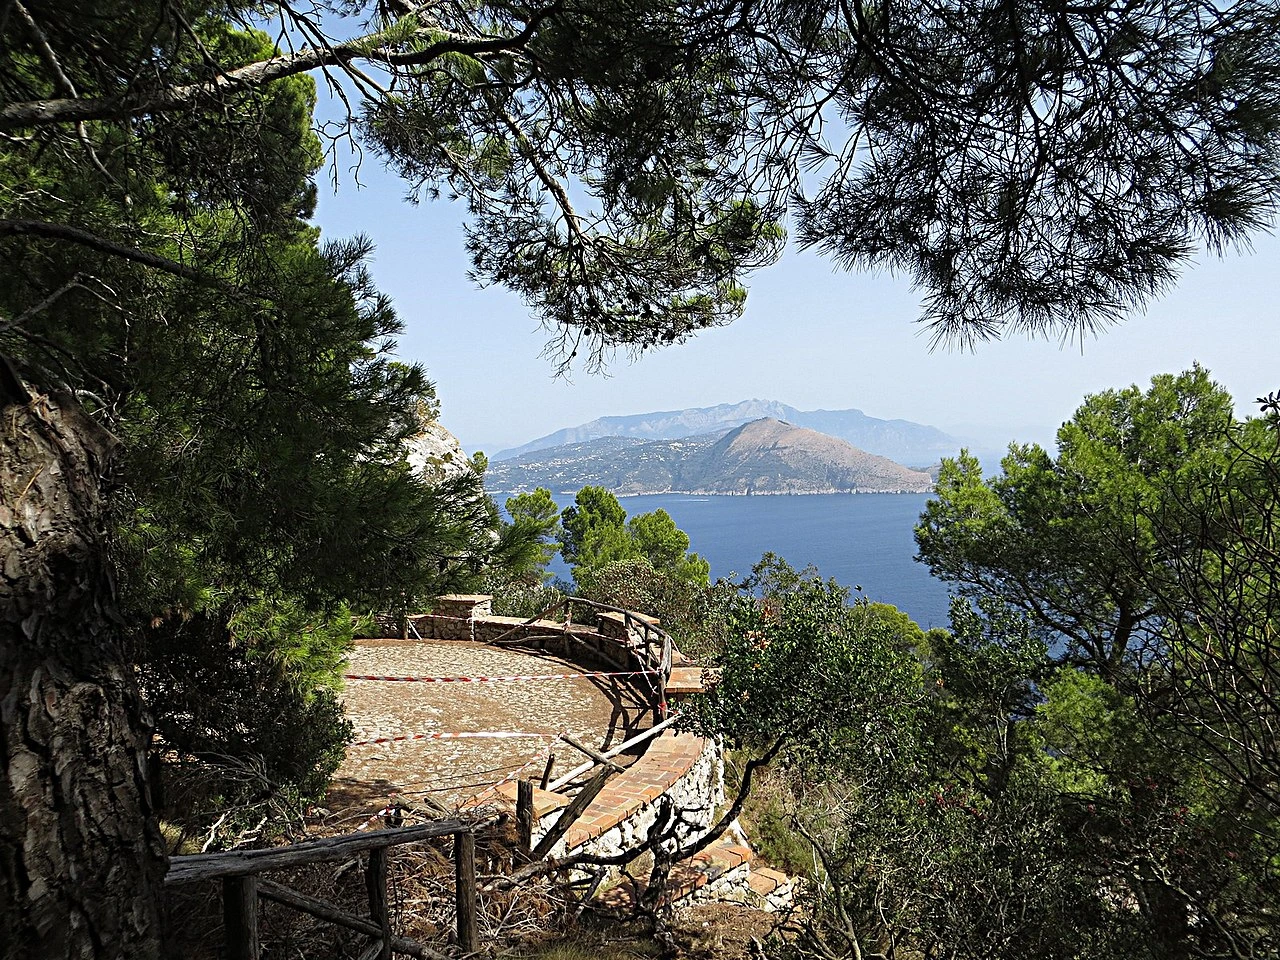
(81, 859)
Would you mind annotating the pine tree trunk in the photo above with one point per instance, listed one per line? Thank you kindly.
(81, 861)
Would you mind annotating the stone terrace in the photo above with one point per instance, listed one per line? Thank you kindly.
(595, 711)
(685, 768)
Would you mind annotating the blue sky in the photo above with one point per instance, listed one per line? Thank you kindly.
(811, 337)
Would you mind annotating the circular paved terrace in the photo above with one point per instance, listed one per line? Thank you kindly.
(597, 711)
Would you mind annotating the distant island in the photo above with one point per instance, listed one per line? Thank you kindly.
(763, 457)
(914, 444)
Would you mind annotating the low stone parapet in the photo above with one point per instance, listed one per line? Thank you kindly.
(464, 606)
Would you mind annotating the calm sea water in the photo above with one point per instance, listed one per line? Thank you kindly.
(862, 539)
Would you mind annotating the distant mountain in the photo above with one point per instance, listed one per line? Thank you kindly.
(765, 456)
(899, 440)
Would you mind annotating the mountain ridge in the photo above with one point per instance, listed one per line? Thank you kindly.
(762, 457)
(903, 441)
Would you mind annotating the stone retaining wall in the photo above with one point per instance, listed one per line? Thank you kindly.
(686, 769)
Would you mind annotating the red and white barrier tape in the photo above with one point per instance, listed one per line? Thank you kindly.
(468, 735)
(384, 812)
(516, 679)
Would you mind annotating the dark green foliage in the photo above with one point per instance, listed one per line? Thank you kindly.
(688, 610)
(771, 575)
(1142, 553)
(593, 530)
(790, 651)
(1041, 167)
(594, 533)
(517, 598)
(630, 103)
(1019, 811)
(666, 547)
(218, 700)
(985, 792)
(1032, 168)
(537, 512)
(1064, 538)
(1220, 662)
(261, 487)
(522, 587)
(627, 164)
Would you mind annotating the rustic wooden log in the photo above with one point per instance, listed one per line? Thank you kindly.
(375, 881)
(339, 917)
(546, 771)
(240, 917)
(664, 674)
(571, 813)
(596, 878)
(426, 807)
(524, 815)
(595, 755)
(242, 863)
(464, 891)
(613, 752)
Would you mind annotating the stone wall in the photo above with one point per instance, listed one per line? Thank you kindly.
(686, 769)
(612, 645)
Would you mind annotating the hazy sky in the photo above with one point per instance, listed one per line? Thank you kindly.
(811, 337)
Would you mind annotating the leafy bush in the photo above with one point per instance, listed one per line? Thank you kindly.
(519, 598)
(256, 721)
(687, 610)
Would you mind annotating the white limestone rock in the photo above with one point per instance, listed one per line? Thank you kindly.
(435, 454)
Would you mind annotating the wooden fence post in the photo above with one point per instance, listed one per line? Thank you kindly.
(375, 881)
(524, 816)
(464, 861)
(664, 674)
(240, 917)
(572, 813)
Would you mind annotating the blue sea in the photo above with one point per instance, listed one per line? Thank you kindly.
(861, 539)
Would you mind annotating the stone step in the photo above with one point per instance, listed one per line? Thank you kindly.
(686, 878)
(729, 863)
(766, 880)
(726, 853)
(685, 681)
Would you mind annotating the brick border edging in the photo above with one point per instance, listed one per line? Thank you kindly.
(678, 765)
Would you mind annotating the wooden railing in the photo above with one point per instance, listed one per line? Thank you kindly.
(656, 646)
(242, 886)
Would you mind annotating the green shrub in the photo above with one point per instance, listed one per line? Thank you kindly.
(256, 722)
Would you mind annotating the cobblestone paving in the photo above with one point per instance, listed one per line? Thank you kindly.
(597, 712)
